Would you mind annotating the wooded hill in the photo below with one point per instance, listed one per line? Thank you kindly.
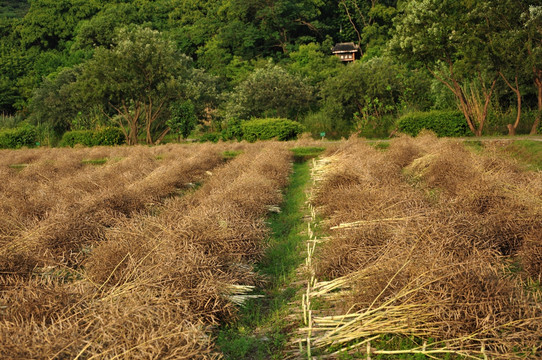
(78, 64)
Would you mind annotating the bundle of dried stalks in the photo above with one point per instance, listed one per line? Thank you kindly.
(91, 200)
(417, 245)
(157, 280)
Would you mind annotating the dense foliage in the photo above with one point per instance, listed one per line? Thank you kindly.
(25, 135)
(265, 129)
(442, 123)
(106, 137)
(76, 65)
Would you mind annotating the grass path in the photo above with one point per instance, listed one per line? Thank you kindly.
(263, 328)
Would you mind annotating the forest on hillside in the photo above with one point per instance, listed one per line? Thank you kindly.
(167, 67)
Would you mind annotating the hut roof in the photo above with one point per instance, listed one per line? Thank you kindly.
(345, 48)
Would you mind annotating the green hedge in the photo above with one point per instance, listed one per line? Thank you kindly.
(210, 137)
(107, 136)
(443, 123)
(25, 135)
(265, 129)
(232, 130)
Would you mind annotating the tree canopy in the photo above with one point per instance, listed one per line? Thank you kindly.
(125, 63)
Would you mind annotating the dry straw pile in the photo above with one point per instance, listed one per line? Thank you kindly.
(116, 267)
(428, 240)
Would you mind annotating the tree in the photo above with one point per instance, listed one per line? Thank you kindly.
(53, 104)
(369, 22)
(270, 92)
(533, 24)
(136, 78)
(100, 29)
(364, 93)
(508, 39)
(313, 64)
(182, 118)
(51, 24)
(432, 33)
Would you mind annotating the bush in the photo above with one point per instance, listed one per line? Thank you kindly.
(329, 122)
(233, 130)
(25, 135)
(265, 129)
(212, 137)
(83, 137)
(443, 123)
(107, 136)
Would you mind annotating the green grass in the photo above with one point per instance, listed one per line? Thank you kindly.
(263, 328)
(380, 145)
(475, 145)
(527, 152)
(94, 161)
(18, 166)
(230, 154)
(302, 154)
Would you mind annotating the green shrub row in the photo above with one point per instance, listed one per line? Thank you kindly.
(106, 136)
(265, 129)
(16, 138)
(257, 129)
(210, 137)
(443, 123)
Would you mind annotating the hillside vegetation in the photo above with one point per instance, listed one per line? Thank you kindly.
(163, 69)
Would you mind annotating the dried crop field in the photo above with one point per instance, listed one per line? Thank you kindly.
(130, 252)
(425, 248)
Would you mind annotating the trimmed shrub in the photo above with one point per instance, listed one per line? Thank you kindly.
(233, 130)
(265, 129)
(443, 123)
(107, 136)
(83, 137)
(25, 135)
(211, 137)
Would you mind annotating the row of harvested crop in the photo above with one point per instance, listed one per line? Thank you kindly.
(431, 245)
(55, 207)
(156, 279)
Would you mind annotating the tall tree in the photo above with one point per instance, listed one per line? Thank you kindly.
(369, 22)
(533, 24)
(51, 24)
(432, 33)
(270, 92)
(508, 40)
(136, 78)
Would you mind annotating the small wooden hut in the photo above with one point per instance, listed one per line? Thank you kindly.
(346, 52)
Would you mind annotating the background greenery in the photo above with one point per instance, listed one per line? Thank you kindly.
(138, 65)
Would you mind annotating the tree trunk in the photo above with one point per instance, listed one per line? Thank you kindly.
(512, 127)
(162, 135)
(343, 3)
(465, 107)
(452, 84)
(538, 83)
(151, 117)
(148, 121)
(487, 99)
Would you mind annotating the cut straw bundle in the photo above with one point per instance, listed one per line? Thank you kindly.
(420, 241)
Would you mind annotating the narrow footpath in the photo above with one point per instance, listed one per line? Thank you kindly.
(265, 324)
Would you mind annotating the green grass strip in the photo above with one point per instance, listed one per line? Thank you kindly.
(527, 152)
(262, 330)
(94, 161)
(302, 154)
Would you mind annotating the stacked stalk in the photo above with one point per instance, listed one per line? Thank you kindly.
(428, 242)
(159, 278)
